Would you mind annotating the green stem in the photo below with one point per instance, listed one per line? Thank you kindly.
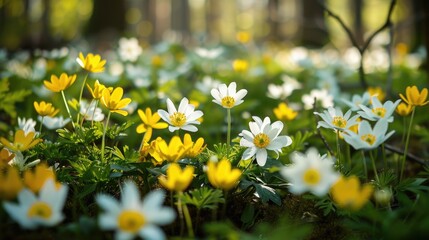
(67, 108)
(407, 141)
(225, 196)
(188, 220)
(41, 125)
(365, 169)
(383, 151)
(373, 165)
(180, 212)
(81, 93)
(228, 133)
(338, 150)
(104, 137)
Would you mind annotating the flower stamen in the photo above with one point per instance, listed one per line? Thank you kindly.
(261, 140)
(228, 102)
(369, 138)
(339, 122)
(178, 119)
(131, 221)
(311, 176)
(40, 210)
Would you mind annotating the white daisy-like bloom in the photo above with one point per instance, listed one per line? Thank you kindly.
(367, 137)
(357, 100)
(228, 97)
(206, 84)
(133, 217)
(378, 110)
(28, 125)
(333, 118)
(285, 90)
(20, 162)
(34, 211)
(263, 136)
(321, 96)
(182, 118)
(129, 49)
(310, 172)
(209, 53)
(90, 112)
(54, 122)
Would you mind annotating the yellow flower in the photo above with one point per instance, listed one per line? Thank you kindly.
(348, 193)
(243, 37)
(177, 179)
(114, 102)
(404, 109)
(376, 91)
(21, 141)
(194, 149)
(284, 113)
(60, 84)
(5, 157)
(222, 176)
(414, 97)
(45, 109)
(97, 92)
(10, 183)
(240, 65)
(172, 152)
(91, 62)
(150, 121)
(157, 61)
(34, 180)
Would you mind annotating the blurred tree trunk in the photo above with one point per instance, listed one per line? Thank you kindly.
(273, 20)
(180, 18)
(356, 7)
(421, 35)
(107, 19)
(212, 15)
(314, 32)
(149, 15)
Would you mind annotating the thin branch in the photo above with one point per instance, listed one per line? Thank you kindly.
(319, 133)
(409, 155)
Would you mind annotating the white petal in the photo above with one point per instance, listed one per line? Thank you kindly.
(170, 107)
(183, 104)
(19, 214)
(232, 89)
(121, 235)
(223, 89)
(254, 128)
(107, 221)
(216, 95)
(153, 200)
(194, 116)
(108, 203)
(261, 157)
(246, 143)
(130, 196)
(190, 128)
(152, 232)
(161, 216)
(240, 94)
(248, 153)
(164, 115)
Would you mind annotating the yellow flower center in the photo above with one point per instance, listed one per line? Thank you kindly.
(379, 111)
(40, 210)
(339, 122)
(131, 221)
(228, 102)
(178, 119)
(311, 176)
(369, 138)
(261, 140)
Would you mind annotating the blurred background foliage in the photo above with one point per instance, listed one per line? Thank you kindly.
(30, 24)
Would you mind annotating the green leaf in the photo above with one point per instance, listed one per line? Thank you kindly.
(204, 198)
(9, 98)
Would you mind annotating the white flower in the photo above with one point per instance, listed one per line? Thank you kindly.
(378, 110)
(132, 217)
(228, 97)
(54, 122)
(367, 137)
(28, 125)
(206, 84)
(182, 118)
(357, 100)
(129, 49)
(310, 172)
(263, 136)
(34, 211)
(285, 90)
(20, 162)
(91, 112)
(333, 118)
(320, 95)
(209, 53)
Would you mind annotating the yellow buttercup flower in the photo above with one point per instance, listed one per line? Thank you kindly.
(376, 91)
(149, 122)
(60, 84)
(194, 149)
(348, 193)
(97, 91)
(222, 176)
(157, 61)
(34, 180)
(45, 109)
(92, 63)
(10, 183)
(172, 152)
(177, 179)
(114, 102)
(5, 157)
(404, 109)
(243, 37)
(21, 141)
(414, 97)
(284, 113)
(240, 65)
